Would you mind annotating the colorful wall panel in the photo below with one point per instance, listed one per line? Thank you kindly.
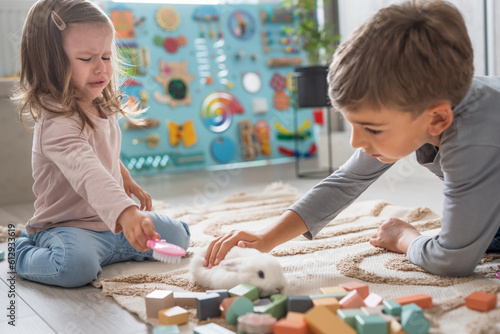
(216, 81)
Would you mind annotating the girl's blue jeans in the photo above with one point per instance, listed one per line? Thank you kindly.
(72, 257)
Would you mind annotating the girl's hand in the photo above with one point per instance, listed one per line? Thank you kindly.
(394, 235)
(137, 227)
(218, 248)
(132, 188)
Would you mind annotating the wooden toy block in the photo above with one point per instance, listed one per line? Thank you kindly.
(187, 299)
(413, 320)
(208, 306)
(372, 310)
(349, 315)
(285, 326)
(481, 301)
(256, 323)
(332, 289)
(173, 316)
(296, 317)
(171, 329)
(212, 328)
(336, 295)
(396, 328)
(223, 293)
(277, 306)
(424, 301)
(262, 302)
(373, 300)
(323, 321)
(240, 306)
(245, 290)
(352, 300)
(370, 324)
(331, 303)
(364, 290)
(392, 307)
(299, 304)
(158, 300)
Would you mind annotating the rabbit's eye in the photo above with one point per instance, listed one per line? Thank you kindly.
(261, 274)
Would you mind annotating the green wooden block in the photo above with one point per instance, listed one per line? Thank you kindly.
(348, 315)
(245, 290)
(172, 329)
(239, 307)
(336, 295)
(280, 308)
(211, 329)
(392, 307)
(370, 324)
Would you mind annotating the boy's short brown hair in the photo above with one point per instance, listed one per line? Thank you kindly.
(407, 56)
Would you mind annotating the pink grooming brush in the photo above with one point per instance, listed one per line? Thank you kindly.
(165, 252)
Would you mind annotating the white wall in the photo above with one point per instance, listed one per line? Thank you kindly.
(352, 13)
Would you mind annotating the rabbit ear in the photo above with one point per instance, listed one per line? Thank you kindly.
(232, 265)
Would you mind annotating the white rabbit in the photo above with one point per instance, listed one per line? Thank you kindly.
(241, 265)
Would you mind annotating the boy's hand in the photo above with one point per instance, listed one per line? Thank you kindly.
(394, 235)
(218, 248)
(137, 227)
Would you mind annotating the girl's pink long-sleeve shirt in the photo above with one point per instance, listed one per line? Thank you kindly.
(77, 174)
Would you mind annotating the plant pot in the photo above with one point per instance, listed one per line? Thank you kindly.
(312, 86)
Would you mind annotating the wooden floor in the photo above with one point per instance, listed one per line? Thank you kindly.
(45, 309)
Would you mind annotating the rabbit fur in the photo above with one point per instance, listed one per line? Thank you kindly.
(241, 265)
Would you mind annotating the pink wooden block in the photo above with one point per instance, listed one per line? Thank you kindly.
(373, 300)
(363, 289)
(352, 300)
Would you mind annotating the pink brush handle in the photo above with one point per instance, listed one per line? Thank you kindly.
(163, 247)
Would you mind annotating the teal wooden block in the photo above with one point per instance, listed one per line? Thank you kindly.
(239, 307)
(336, 295)
(413, 320)
(392, 307)
(348, 315)
(370, 324)
(245, 290)
(212, 329)
(172, 329)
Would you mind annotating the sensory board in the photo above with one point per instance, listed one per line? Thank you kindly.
(217, 82)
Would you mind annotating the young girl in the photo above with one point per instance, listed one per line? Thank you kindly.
(84, 215)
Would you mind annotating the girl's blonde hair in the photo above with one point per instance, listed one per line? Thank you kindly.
(45, 68)
(407, 56)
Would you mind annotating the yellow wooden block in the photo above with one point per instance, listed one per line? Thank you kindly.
(323, 321)
(173, 316)
(396, 328)
(331, 289)
(331, 303)
(295, 317)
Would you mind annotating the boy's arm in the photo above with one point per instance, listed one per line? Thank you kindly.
(288, 226)
(471, 213)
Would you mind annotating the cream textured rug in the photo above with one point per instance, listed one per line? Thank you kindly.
(340, 253)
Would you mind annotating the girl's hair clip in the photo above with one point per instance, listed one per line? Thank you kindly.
(58, 21)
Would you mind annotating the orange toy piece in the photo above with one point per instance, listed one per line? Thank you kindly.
(285, 326)
(363, 289)
(481, 301)
(323, 321)
(295, 317)
(424, 301)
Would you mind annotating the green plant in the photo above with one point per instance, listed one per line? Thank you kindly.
(317, 40)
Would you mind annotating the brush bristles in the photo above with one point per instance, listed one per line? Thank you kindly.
(166, 258)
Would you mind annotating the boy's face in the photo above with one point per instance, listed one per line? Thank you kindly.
(388, 135)
(88, 48)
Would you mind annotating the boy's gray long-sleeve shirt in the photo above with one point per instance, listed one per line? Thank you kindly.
(467, 160)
